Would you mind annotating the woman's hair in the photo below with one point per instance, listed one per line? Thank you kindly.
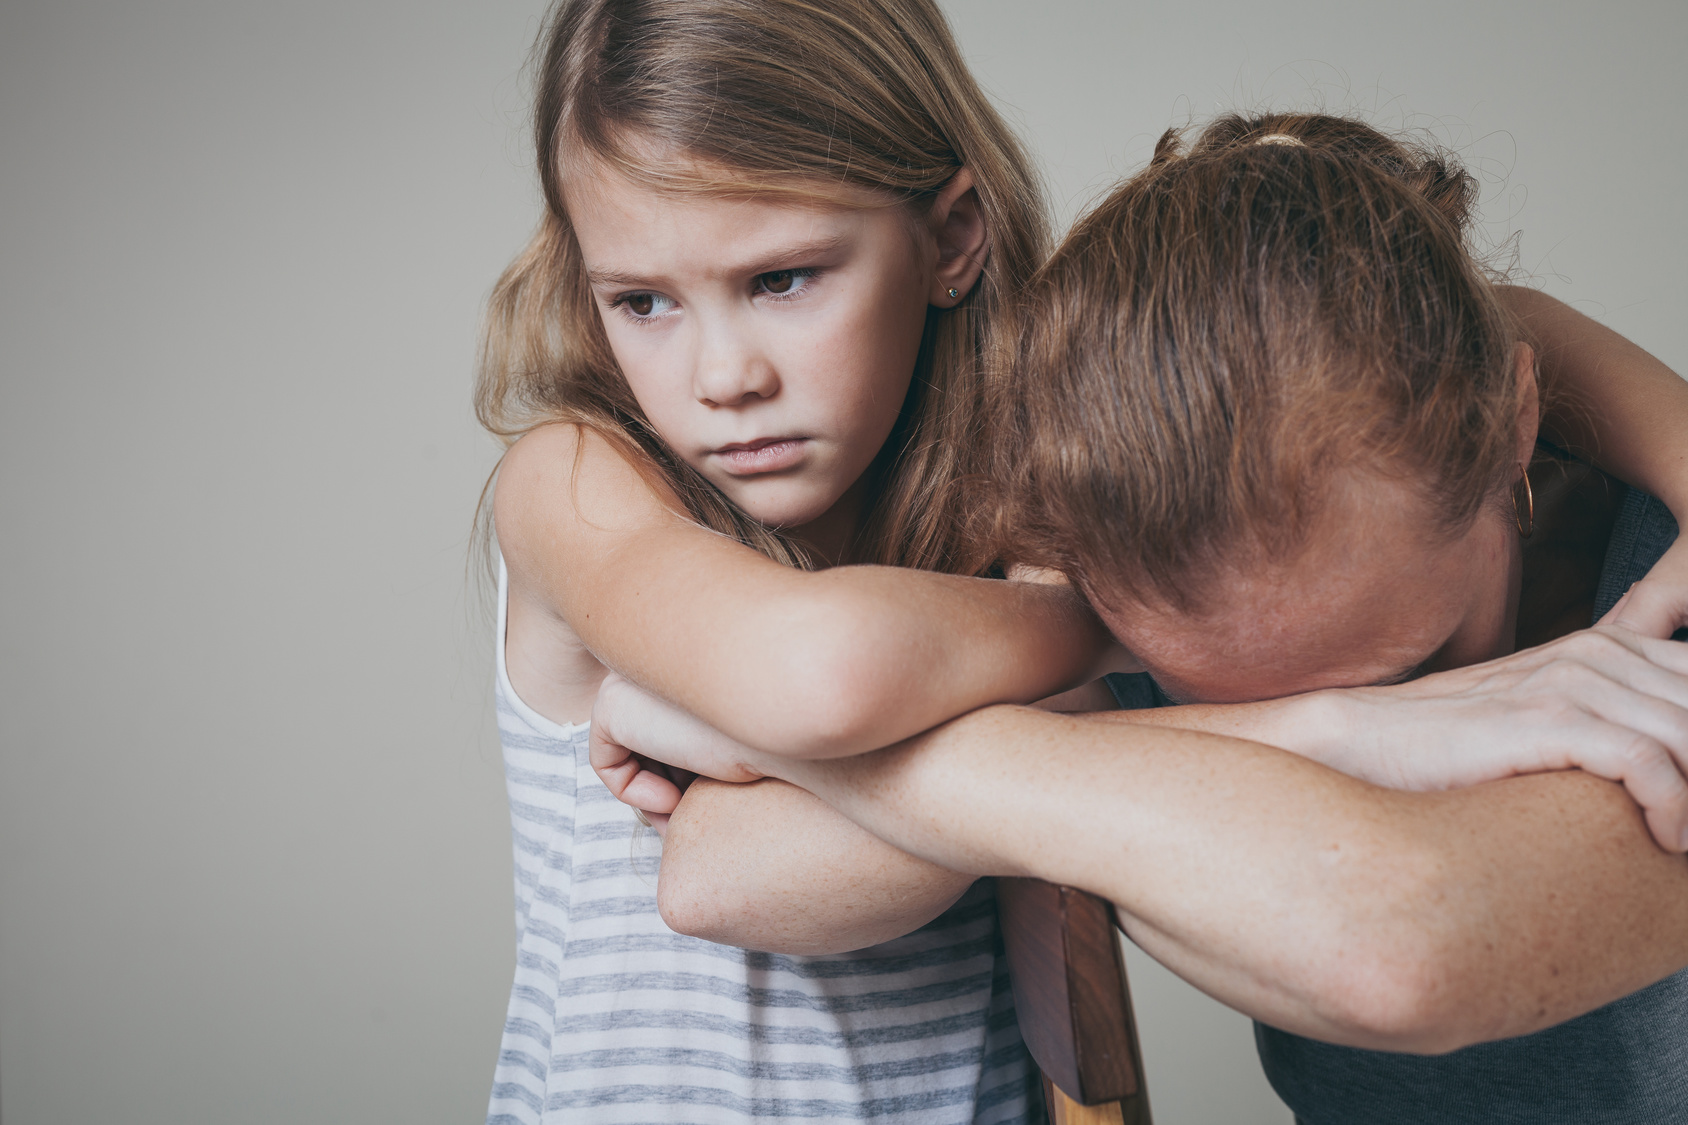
(1227, 331)
(805, 98)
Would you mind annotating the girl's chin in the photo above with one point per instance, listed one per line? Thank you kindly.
(787, 512)
(787, 519)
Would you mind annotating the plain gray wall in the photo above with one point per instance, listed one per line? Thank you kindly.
(253, 851)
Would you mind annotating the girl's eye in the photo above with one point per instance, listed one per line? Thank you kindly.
(784, 283)
(643, 306)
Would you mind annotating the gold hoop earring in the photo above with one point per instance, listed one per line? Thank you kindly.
(1529, 510)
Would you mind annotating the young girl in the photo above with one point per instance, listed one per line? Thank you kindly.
(778, 241)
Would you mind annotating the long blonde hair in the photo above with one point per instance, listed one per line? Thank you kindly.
(791, 97)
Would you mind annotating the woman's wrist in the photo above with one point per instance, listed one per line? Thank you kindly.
(1323, 726)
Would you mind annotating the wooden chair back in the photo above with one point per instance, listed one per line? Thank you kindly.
(1073, 1002)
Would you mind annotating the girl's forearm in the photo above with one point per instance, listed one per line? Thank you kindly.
(836, 663)
(901, 651)
(769, 866)
(811, 663)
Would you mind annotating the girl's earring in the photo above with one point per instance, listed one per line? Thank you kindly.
(954, 293)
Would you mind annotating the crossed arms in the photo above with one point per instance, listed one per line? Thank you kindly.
(1315, 902)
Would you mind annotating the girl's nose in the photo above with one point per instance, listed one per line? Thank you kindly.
(731, 370)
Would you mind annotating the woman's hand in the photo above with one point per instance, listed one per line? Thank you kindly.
(1657, 606)
(646, 750)
(1605, 700)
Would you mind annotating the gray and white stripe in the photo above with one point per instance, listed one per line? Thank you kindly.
(615, 1019)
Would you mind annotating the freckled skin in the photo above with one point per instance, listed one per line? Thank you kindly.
(1375, 596)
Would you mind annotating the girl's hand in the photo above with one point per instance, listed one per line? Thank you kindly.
(1604, 700)
(646, 750)
(1657, 606)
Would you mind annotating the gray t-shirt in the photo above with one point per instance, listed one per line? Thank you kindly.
(1624, 1063)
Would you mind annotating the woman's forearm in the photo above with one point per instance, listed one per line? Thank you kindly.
(1317, 903)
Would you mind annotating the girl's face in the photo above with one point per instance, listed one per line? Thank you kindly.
(770, 343)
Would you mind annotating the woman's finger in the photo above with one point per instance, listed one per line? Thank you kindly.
(1657, 606)
(1652, 779)
(1654, 667)
(1646, 664)
(1611, 615)
(1652, 610)
(1634, 739)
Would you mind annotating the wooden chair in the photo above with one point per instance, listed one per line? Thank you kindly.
(1073, 1002)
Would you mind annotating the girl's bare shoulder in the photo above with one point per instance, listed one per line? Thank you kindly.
(564, 486)
(535, 507)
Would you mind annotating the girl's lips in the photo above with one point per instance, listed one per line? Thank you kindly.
(767, 456)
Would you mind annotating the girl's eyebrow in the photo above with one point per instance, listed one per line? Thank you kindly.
(765, 261)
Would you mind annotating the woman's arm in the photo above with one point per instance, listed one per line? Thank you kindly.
(1397, 921)
(814, 663)
(1606, 701)
(1613, 404)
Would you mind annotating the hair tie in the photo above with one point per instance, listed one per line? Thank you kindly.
(1280, 139)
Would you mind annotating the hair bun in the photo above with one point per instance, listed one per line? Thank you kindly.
(1434, 174)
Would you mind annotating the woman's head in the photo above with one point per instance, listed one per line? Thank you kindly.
(755, 213)
(1272, 411)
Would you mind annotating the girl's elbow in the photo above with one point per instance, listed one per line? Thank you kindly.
(837, 698)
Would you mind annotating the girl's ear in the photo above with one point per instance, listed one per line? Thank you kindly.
(1529, 401)
(957, 222)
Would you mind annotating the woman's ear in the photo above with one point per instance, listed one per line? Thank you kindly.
(957, 222)
(1529, 401)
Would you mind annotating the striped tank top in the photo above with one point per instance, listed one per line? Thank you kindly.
(614, 1018)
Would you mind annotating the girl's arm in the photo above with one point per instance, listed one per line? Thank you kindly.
(813, 663)
(765, 865)
(1612, 403)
